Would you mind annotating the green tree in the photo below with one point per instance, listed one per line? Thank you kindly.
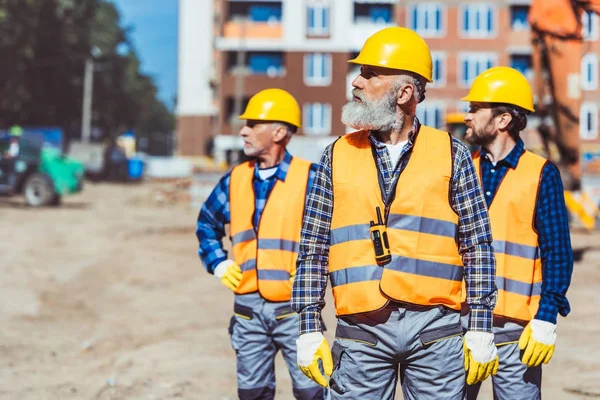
(43, 48)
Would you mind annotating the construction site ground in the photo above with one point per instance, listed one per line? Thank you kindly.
(105, 298)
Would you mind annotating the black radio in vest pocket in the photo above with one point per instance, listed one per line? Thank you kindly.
(378, 232)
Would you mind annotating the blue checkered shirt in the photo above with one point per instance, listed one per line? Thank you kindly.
(474, 236)
(214, 214)
(552, 225)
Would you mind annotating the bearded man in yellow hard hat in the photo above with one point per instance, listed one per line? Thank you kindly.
(396, 219)
(262, 201)
(530, 224)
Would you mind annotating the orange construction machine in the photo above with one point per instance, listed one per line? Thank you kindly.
(557, 41)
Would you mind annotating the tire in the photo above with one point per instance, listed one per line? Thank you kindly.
(38, 190)
(56, 200)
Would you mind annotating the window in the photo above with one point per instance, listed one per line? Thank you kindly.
(590, 25)
(588, 121)
(522, 63)
(265, 13)
(318, 19)
(317, 119)
(426, 19)
(472, 64)
(265, 63)
(518, 17)
(317, 69)
(373, 13)
(257, 63)
(478, 20)
(439, 69)
(238, 11)
(431, 114)
(589, 72)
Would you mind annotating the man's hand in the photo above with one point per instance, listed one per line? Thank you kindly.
(481, 356)
(537, 340)
(313, 347)
(292, 276)
(229, 273)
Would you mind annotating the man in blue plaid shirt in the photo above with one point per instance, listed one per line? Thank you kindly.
(532, 244)
(262, 201)
(400, 314)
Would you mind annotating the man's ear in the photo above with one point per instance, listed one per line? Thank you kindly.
(504, 120)
(279, 133)
(405, 94)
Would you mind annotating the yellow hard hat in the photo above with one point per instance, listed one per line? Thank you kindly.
(455, 118)
(501, 85)
(397, 48)
(273, 105)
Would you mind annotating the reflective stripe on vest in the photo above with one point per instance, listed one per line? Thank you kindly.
(426, 268)
(267, 257)
(518, 263)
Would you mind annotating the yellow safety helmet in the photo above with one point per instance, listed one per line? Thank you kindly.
(273, 105)
(501, 85)
(397, 48)
(455, 118)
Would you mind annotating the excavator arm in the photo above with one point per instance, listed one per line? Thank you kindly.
(557, 49)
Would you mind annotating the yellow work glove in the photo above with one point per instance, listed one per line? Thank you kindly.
(229, 273)
(537, 340)
(481, 356)
(292, 276)
(313, 347)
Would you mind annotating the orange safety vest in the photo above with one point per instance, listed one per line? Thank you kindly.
(512, 214)
(268, 254)
(426, 268)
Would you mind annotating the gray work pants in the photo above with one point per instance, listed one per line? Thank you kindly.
(514, 380)
(423, 344)
(259, 329)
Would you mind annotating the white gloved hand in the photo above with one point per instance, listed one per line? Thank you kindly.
(481, 345)
(543, 331)
(221, 268)
(481, 356)
(313, 347)
(229, 273)
(537, 342)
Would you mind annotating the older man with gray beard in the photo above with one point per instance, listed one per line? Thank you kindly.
(396, 219)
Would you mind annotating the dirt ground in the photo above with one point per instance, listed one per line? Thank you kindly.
(105, 298)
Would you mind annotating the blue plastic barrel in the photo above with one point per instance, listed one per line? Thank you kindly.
(135, 168)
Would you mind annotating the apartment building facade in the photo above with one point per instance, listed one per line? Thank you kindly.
(303, 46)
(467, 37)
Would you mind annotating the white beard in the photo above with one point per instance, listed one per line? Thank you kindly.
(377, 115)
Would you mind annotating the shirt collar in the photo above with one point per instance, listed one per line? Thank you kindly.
(411, 135)
(512, 159)
(282, 168)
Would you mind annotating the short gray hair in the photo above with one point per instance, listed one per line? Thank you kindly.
(289, 128)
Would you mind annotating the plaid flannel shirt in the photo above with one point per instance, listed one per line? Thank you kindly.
(552, 225)
(474, 236)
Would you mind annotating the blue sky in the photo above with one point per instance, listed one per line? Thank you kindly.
(154, 35)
